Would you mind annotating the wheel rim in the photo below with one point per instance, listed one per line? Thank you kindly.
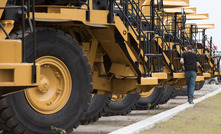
(92, 96)
(118, 97)
(146, 94)
(55, 86)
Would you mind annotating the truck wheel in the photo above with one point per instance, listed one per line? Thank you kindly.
(166, 94)
(149, 100)
(61, 100)
(199, 85)
(175, 93)
(97, 108)
(124, 106)
(183, 92)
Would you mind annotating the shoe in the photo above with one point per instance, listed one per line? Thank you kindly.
(191, 102)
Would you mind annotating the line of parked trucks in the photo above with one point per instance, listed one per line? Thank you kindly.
(68, 62)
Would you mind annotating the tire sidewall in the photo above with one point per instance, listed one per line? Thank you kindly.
(153, 99)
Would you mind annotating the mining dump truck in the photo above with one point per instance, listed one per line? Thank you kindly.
(57, 54)
(56, 50)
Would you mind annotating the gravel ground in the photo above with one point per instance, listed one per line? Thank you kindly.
(108, 124)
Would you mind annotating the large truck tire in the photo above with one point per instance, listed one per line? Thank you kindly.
(150, 99)
(183, 92)
(62, 98)
(123, 107)
(175, 93)
(166, 94)
(199, 85)
(97, 108)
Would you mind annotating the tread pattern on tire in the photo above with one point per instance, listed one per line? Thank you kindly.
(99, 113)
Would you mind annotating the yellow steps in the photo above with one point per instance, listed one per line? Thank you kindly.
(179, 75)
(199, 78)
(160, 76)
(149, 81)
(206, 75)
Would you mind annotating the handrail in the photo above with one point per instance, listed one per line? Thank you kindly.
(160, 20)
(126, 18)
(135, 24)
(136, 20)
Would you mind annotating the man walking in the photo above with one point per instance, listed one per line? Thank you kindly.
(191, 62)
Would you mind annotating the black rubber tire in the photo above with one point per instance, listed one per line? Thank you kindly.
(153, 99)
(123, 107)
(175, 93)
(199, 85)
(20, 118)
(166, 95)
(97, 108)
(183, 92)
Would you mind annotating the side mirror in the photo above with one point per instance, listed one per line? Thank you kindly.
(159, 5)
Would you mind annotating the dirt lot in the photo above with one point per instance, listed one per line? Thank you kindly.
(109, 124)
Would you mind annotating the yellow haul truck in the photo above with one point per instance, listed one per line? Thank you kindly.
(58, 52)
(62, 50)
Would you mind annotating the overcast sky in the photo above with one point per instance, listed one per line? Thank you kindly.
(213, 7)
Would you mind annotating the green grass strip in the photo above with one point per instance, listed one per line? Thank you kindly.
(203, 118)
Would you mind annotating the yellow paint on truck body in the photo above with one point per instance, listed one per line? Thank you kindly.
(13, 73)
(17, 74)
(10, 51)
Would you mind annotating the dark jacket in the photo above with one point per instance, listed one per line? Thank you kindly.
(190, 61)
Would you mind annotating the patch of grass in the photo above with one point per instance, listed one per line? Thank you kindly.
(59, 130)
(204, 118)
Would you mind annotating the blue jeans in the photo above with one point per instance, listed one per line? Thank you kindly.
(190, 81)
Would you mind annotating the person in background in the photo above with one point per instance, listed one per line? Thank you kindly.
(191, 62)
